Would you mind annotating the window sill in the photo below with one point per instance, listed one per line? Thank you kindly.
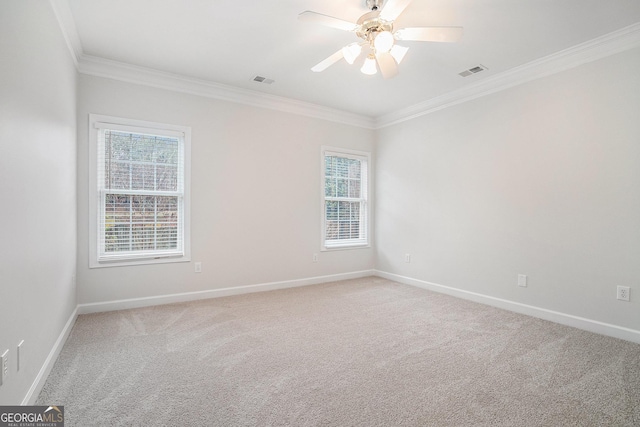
(345, 247)
(125, 262)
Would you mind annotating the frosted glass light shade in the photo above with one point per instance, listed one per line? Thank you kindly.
(383, 42)
(398, 52)
(351, 52)
(369, 66)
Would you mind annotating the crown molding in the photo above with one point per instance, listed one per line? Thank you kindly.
(68, 26)
(609, 44)
(101, 67)
(91, 65)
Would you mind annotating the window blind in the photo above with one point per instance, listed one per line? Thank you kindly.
(141, 191)
(345, 200)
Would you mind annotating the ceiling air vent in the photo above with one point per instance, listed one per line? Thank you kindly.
(261, 79)
(473, 70)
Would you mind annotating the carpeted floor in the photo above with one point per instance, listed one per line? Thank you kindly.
(365, 352)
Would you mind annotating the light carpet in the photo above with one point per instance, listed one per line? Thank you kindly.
(364, 352)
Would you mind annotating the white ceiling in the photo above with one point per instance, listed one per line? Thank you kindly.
(231, 41)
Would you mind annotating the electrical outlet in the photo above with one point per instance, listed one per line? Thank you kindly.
(315, 257)
(4, 366)
(407, 258)
(623, 293)
(198, 267)
(522, 280)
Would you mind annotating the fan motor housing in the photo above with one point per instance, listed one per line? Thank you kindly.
(370, 24)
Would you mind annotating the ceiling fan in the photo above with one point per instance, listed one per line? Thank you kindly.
(377, 30)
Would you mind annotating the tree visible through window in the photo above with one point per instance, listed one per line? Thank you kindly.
(137, 163)
(140, 180)
(345, 199)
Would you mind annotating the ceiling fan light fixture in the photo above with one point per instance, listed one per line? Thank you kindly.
(351, 52)
(398, 52)
(383, 41)
(378, 35)
(369, 66)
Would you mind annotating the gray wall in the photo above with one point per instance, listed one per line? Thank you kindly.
(255, 193)
(541, 179)
(37, 189)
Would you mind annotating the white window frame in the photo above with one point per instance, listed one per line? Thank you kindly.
(365, 213)
(96, 193)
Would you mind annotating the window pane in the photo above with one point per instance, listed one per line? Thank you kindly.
(167, 209)
(140, 223)
(354, 168)
(167, 223)
(117, 238)
(142, 148)
(332, 210)
(141, 162)
(118, 146)
(342, 189)
(142, 237)
(355, 230)
(117, 209)
(166, 151)
(118, 175)
(328, 166)
(117, 223)
(166, 178)
(142, 177)
(354, 188)
(342, 168)
(143, 210)
(344, 230)
(342, 177)
(344, 210)
(167, 236)
(342, 220)
(329, 187)
(355, 212)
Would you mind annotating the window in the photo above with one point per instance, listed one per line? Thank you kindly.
(140, 187)
(345, 213)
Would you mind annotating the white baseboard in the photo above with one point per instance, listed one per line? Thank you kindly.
(553, 316)
(216, 293)
(541, 313)
(41, 378)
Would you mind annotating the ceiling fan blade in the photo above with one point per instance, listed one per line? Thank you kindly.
(387, 64)
(329, 21)
(430, 34)
(393, 8)
(321, 66)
